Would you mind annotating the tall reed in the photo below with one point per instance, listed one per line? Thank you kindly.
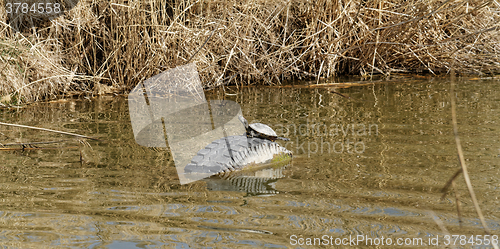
(104, 46)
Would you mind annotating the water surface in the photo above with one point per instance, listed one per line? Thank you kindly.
(372, 165)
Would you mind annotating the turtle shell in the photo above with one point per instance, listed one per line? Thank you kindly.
(263, 129)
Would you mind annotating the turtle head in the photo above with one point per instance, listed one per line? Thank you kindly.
(244, 121)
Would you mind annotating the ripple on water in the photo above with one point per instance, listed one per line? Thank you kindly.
(126, 195)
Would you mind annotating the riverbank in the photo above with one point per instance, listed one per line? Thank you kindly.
(100, 47)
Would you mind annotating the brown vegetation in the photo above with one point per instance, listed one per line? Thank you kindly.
(112, 45)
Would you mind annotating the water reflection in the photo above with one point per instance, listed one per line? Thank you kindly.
(260, 182)
(124, 194)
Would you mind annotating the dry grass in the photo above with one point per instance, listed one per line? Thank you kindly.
(30, 72)
(119, 43)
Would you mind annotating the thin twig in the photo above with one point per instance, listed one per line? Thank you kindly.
(440, 225)
(213, 31)
(31, 143)
(444, 190)
(457, 201)
(49, 130)
(38, 148)
(462, 160)
(340, 94)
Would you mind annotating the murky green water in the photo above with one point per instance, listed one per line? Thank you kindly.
(371, 165)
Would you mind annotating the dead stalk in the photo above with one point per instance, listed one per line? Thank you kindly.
(108, 46)
(462, 161)
(49, 130)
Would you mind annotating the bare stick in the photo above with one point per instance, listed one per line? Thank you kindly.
(449, 182)
(340, 94)
(213, 31)
(31, 143)
(462, 160)
(440, 225)
(43, 129)
(457, 201)
(37, 148)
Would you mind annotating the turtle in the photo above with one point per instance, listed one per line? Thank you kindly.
(256, 146)
(260, 131)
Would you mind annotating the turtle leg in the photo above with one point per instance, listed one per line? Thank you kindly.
(251, 134)
(283, 138)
